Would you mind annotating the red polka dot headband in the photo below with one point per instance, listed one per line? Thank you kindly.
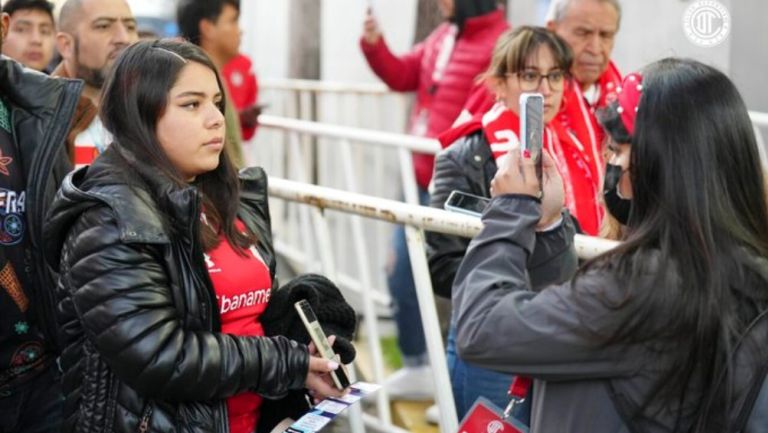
(628, 95)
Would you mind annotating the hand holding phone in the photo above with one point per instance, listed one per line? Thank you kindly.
(465, 203)
(532, 127)
(308, 317)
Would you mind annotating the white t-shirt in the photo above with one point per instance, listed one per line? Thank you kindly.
(91, 142)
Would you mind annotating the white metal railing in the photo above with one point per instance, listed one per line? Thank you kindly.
(758, 118)
(418, 219)
(359, 135)
(297, 85)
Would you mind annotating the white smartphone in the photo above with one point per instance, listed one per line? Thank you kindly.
(308, 317)
(532, 127)
(468, 204)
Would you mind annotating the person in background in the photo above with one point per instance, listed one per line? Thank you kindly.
(213, 25)
(665, 332)
(35, 112)
(166, 264)
(528, 59)
(244, 90)
(441, 70)
(31, 33)
(92, 33)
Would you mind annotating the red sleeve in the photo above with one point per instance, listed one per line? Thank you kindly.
(399, 73)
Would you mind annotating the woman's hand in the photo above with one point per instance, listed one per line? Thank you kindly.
(553, 196)
(518, 176)
(319, 381)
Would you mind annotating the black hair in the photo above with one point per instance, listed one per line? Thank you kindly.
(135, 96)
(465, 9)
(692, 268)
(11, 6)
(189, 14)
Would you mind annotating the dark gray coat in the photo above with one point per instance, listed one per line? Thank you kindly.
(546, 335)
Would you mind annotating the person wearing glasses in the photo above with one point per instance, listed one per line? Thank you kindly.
(528, 59)
(590, 28)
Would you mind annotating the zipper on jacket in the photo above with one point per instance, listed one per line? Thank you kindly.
(145, 418)
(42, 162)
(207, 308)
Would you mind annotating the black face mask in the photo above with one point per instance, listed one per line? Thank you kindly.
(619, 207)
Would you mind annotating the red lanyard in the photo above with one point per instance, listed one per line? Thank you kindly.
(517, 392)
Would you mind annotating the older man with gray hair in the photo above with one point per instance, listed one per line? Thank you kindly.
(590, 28)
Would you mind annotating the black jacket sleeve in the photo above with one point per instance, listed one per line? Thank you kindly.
(121, 296)
(445, 252)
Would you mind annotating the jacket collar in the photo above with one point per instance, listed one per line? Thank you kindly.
(135, 198)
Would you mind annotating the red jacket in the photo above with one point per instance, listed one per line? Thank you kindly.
(242, 85)
(577, 116)
(437, 106)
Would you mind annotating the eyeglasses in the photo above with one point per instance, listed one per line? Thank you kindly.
(530, 81)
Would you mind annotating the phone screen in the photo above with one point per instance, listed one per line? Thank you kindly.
(532, 127)
(465, 203)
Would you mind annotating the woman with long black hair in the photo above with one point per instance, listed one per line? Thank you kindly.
(166, 264)
(667, 332)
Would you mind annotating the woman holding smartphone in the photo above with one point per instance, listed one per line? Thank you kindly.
(528, 59)
(166, 262)
(666, 332)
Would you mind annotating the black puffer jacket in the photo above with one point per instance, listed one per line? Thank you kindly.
(41, 109)
(138, 313)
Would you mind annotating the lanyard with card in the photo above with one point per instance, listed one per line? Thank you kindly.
(486, 417)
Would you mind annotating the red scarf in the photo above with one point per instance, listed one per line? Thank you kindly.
(501, 128)
(577, 116)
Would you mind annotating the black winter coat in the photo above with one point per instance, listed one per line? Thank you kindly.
(138, 315)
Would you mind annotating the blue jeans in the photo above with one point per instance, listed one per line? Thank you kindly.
(34, 406)
(470, 382)
(410, 331)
